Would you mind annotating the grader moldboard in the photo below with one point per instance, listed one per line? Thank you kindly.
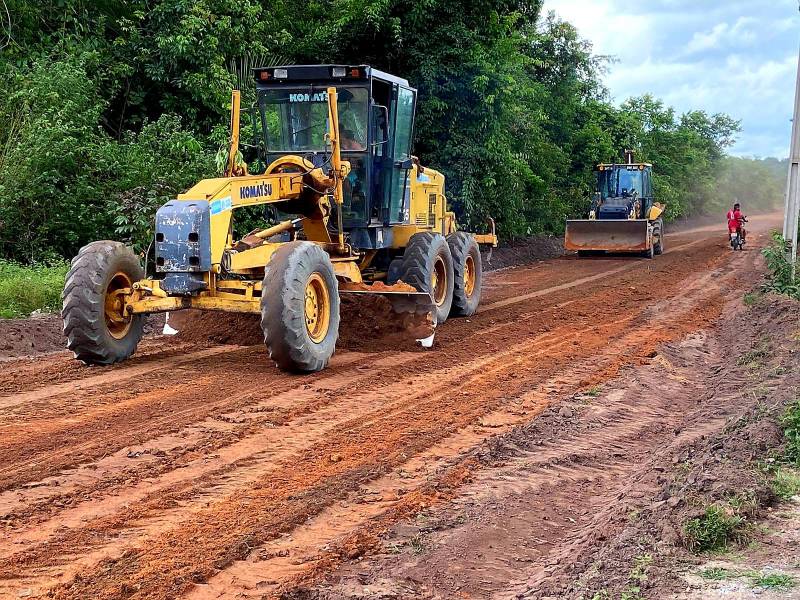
(362, 216)
(623, 216)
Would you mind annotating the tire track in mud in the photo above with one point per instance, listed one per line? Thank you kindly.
(47, 447)
(509, 372)
(27, 374)
(117, 377)
(579, 473)
(288, 563)
(379, 424)
(114, 400)
(335, 533)
(574, 469)
(362, 407)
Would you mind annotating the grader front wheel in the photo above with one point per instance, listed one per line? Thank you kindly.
(97, 328)
(300, 307)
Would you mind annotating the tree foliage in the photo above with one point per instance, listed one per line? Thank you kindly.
(109, 107)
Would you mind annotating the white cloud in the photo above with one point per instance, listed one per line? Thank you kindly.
(723, 35)
(733, 56)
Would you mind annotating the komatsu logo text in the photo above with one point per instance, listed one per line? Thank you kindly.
(302, 97)
(255, 191)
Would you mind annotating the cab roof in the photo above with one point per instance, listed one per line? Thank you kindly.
(609, 166)
(323, 73)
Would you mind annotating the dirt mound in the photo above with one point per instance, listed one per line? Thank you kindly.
(27, 337)
(41, 334)
(524, 251)
(204, 327)
(368, 324)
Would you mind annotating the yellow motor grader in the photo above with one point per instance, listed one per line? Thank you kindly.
(356, 214)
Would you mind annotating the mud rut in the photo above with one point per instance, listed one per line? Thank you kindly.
(203, 472)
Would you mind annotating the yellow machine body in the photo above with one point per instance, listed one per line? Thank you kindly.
(293, 181)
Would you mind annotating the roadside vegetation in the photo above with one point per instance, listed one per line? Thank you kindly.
(25, 289)
(782, 277)
(756, 579)
(100, 125)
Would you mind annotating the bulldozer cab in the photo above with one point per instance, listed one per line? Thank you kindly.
(618, 188)
(376, 120)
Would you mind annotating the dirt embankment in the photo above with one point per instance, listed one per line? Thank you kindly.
(28, 337)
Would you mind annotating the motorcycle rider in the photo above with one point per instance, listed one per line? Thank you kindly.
(735, 221)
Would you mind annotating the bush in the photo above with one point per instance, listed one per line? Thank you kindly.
(719, 525)
(781, 277)
(52, 193)
(24, 290)
(154, 165)
(791, 431)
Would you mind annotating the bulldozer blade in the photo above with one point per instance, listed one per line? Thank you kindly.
(631, 235)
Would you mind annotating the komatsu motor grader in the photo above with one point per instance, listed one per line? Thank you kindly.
(356, 214)
(623, 216)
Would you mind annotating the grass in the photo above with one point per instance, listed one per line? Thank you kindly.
(755, 358)
(752, 298)
(772, 580)
(786, 482)
(417, 545)
(716, 528)
(24, 290)
(717, 574)
(784, 470)
(791, 432)
(757, 579)
(593, 391)
(637, 576)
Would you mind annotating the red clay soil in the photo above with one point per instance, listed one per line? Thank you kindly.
(35, 335)
(200, 470)
(565, 505)
(41, 334)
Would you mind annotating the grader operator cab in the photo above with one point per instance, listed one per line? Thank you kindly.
(359, 215)
(623, 216)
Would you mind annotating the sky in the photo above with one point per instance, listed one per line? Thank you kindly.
(732, 56)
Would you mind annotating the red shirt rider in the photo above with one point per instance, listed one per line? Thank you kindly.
(735, 219)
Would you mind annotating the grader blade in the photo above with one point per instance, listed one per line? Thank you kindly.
(415, 310)
(631, 235)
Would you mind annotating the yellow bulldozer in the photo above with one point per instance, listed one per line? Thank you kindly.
(623, 216)
(356, 213)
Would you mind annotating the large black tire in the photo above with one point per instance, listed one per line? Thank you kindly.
(468, 272)
(427, 254)
(96, 333)
(658, 248)
(300, 274)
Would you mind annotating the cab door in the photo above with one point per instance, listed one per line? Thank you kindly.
(402, 115)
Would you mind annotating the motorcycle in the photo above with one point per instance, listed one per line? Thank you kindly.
(737, 239)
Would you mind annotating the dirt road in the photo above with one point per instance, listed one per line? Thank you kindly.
(201, 471)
